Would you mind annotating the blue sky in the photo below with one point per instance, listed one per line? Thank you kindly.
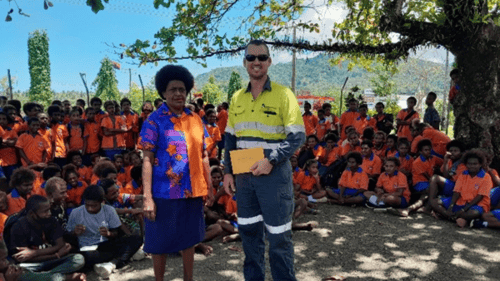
(78, 39)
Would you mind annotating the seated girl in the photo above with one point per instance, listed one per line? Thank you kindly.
(310, 150)
(308, 182)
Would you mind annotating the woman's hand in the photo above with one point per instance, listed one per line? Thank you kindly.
(149, 209)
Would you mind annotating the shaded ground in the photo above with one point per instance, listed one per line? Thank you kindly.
(360, 244)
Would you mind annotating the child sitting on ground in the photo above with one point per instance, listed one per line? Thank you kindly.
(21, 184)
(405, 158)
(353, 144)
(75, 186)
(352, 184)
(379, 144)
(122, 177)
(471, 196)
(392, 187)
(331, 155)
(372, 165)
(392, 149)
(308, 182)
(75, 158)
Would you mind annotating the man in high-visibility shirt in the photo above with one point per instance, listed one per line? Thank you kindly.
(267, 115)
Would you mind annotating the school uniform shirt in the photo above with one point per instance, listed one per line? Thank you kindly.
(85, 173)
(439, 140)
(75, 136)
(99, 116)
(15, 202)
(322, 127)
(61, 133)
(332, 156)
(8, 155)
(495, 173)
(24, 234)
(306, 181)
(404, 131)
(406, 162)
(33, 147)
(48, 135)
(19, 126)
(380, 152)
(346, 119)
(179, 141)
(414, 144)
(222, 117)
(115, 141)
(391, 184)
(470, 187)
(3, 219)
(454, 90)
(390, 153)
(75, 193)
(333, 120)
(213, 139)
(92, 132)
(361, 123)
(372, 165)
(454, 170)
(349, 148)
(229, 203)
(122, 176)
(295, 174)
(132, 121)
(39, 187)
(319, 151)
(358, 180)
(422, 165)
(310, 123)
(132, 188)
(107, 216)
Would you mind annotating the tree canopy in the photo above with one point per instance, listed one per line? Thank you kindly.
(39, 66)
(106, 82)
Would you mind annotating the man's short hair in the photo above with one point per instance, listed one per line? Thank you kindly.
(257, 43)
(95, 99)
(93, 193)
(455, 72)
(413, 99)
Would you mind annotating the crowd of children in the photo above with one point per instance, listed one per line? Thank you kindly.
(71, 178)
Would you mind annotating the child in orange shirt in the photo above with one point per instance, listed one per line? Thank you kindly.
(21, 184)
(52, 170)
(323, 126)
(392, 148)
(471, 196)
(75, 158)
(308, 182)
(295, 167)
(404, 158)
(213, 132)
(8, 155)
(451, 169)
(60, 135)
(122, 176)
(3, 208)
(132, 120)
(77, 141)
(379, 146)
(75, 186)
(372, 165)
(404, 118)
(133, 187)
(310, 150)
(347, 118)
(331, 118)
(391, 189)
(113, 127)
(363, 120)
(310, 120)
(352, 184)
(354, 144)
(32, 147)
(92, 133)
(331, 155)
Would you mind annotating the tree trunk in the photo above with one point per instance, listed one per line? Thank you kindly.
(477, 106)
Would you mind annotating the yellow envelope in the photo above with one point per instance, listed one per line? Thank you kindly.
(243, 159)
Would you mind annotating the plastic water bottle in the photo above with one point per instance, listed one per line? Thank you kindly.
(103, 224)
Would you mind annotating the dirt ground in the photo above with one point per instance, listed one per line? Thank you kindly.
(359, 244)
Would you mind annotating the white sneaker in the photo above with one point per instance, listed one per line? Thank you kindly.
(105, 269)
(139, 255)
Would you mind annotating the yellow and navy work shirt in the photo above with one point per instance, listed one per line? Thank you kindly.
(272, 121)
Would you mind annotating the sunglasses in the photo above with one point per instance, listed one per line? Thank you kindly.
(259, 57)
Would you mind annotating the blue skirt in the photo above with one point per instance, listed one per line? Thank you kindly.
(179, 225)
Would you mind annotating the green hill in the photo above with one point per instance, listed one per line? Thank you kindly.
(317, 75)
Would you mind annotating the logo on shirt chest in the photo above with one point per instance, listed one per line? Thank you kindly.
(40, 144)
(476, 186)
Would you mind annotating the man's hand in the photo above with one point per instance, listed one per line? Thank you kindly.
(210, 200)
(79, 229)
(229, 184)
(64, 250)
(104, 231)
(261, 167)
(24, 254)
(149, 209)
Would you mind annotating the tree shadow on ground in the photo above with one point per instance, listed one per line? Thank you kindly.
(360, 244)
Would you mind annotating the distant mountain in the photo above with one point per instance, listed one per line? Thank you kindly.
(316, 75)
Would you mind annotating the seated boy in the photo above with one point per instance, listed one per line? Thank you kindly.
(372, 165)
(471, 196)
(352, 184)
(392, 187)
(21, 183)
(405, 158)
(451, 169)
(331, 155)
(35, 241)
(308, 182)
(96, 225)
